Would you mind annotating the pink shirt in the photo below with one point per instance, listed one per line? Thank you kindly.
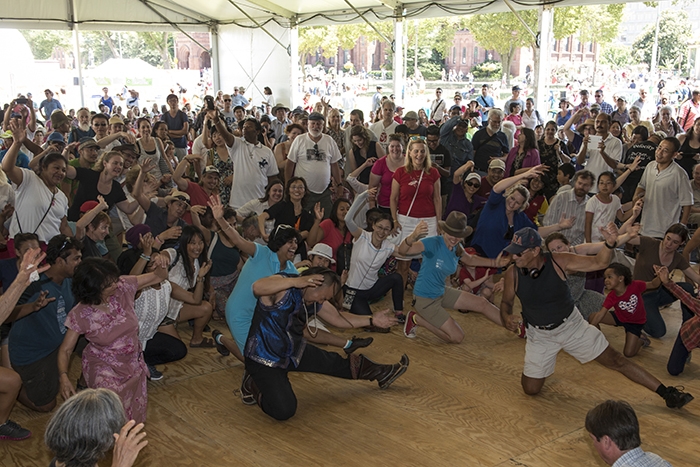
(380, 168)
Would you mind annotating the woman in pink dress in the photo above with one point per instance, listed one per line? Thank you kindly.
(113, 358)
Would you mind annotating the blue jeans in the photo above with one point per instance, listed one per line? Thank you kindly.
(655, 326)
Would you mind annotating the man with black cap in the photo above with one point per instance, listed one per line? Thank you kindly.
(314, 156)
(453, 136)
(87, 156)
(552, 321)
(515, 98)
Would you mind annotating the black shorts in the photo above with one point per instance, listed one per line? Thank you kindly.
(634, 328)
(40, 379)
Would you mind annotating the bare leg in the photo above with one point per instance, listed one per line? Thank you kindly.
(632, 345)
(5, 356)
(471, 302)
(450, 332)
(402, 268)
(230, 344)
(201, 315)
(532, 386)
(10, 384)
(612, 359)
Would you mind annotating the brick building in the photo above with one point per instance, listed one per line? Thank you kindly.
(189, 55)
(367, 55)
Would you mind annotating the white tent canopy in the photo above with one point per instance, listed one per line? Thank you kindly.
(255, 38)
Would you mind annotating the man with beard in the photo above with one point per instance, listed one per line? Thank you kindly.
(572, 204)
(489, 142)
(83, 129)
(314, 156)
(87, 156)
(603, 156)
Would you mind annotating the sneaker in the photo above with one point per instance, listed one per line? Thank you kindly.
(155, 374)
(221, 348)
(645, 340)
(12, 430)
(357, 343)
(409, 327)
(675, 397)
(247, 395)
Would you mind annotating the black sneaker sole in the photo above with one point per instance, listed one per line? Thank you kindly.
(682, 402)
(402, 369)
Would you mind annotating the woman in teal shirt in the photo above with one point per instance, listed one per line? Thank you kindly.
(441, 255)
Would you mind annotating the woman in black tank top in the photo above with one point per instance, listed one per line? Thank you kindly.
(362, 149)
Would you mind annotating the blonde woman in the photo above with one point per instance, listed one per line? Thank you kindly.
(415, 195)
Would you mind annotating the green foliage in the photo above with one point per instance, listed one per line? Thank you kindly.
(490, 69)
(42, 42)
(616, 55)
(674, 34)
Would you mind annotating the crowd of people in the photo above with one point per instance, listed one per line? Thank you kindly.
(153, 220)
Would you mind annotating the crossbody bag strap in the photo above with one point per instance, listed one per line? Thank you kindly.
(53, 198)
(415, 194)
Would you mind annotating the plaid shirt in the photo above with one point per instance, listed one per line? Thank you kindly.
(638, 458)
(606, 108)
(690, 330)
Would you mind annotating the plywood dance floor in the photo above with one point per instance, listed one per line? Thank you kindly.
(457, 405)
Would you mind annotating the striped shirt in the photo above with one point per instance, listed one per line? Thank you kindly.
(567, 204)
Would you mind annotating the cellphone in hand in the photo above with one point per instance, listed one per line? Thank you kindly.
(21, 100)
(474, 114)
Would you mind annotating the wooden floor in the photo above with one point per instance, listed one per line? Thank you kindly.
(457, 405)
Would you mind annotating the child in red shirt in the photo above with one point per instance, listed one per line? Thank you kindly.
(624, 307)
(478, 280)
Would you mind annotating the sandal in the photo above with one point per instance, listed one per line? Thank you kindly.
(206, 343)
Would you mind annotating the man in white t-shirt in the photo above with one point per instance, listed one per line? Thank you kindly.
(314, 157)
(227, 111)
(254, 164)
(603, 151)
(438, 108)
(387, 126)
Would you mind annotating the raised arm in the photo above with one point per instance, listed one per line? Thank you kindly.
(457, 177)
(81, 225)
(181, 183)
(506, 183)
(30, 263)
(220, 127)
(574, 118)
(137, 192)
(13, 172)
(579, 263)
(275, 284)
(410, 245)
(195, 212)
(246, 247)
(316, 233)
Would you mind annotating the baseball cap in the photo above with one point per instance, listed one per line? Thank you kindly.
(56, 136)
(516, 88)
(524, 239)
(210, 169)
(411, 115)
(595, 107)
(455, 107)
(497, 164)
(88, 206)
(472, 176)
(321, 249)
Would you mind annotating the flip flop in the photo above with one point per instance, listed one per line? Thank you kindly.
(206, 343)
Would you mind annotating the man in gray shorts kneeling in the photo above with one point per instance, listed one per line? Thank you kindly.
(552, 321)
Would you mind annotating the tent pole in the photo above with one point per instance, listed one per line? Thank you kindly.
(294, 64)
(215, 71)
(542, 54)
(397, 48)
(76, 52)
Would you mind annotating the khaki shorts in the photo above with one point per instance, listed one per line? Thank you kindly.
(433, 309)
(576, 337)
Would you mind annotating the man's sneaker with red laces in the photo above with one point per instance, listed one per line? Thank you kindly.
(675, 398)
(409, 327)
(12, 430)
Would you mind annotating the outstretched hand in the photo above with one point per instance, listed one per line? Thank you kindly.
(566, 223)
(609, 233)
(662, 273)
(127, 444)
(216, 207)
(385, 319)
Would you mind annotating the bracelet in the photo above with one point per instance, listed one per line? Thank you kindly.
(62, 373)
(608, 246)
(370, 322)
(142, 256)
(201, 279)
(158, 240)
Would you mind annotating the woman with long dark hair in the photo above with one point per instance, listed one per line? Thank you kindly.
(41, 207)
(523, 155)
(334, 233)
(552, 154)
(363, 148)
(184, 265)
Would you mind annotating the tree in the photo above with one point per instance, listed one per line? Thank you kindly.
(42, 43)
(675, 31)
(504, 33)
(617, 55)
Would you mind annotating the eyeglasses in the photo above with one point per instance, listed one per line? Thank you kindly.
(99, 124)
(472, 184)
(381, 229)
(296, 188)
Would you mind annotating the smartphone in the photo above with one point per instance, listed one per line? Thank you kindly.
(21, 100)
(562, 95)
(210, 103)
(474, 114)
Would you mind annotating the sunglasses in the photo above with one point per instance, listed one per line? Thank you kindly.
(472, 184)
(419, 138)
(227, 100)
(99, 124)
(281, 226)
